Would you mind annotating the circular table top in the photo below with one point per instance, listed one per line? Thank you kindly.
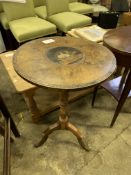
(66, 63)
(119, 40)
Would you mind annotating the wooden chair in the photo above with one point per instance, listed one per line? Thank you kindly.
(9, 125)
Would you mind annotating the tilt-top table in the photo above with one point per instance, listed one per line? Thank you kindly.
(64, 63)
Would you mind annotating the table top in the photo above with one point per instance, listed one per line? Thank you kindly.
(64, 63)
(119, 40)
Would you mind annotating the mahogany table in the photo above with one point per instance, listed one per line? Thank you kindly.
(119, 42)
(66, 63)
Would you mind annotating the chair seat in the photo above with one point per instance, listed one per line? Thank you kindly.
(80, 8)
(4, 21)
(99, 8)
(30, 28)
(41, 12)
(66, 21)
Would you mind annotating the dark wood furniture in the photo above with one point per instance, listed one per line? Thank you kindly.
(119, 42)
(120, 5)
(67, 63)
(9, 125)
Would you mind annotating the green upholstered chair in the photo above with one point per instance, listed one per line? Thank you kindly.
(3, 19)
(40, 8)
(97, 7)
(80, 7)
(63, 18)
(23, 22)
(4, 27)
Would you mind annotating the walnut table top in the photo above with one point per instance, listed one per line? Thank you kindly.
(65, 63)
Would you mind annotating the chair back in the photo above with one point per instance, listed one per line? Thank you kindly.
(1, 8)
(73, 1)
(56, 6)
(94, 1)
(15, 10)
(38, 3)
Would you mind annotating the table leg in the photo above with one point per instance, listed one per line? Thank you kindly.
(77, 133)
(35, 112)
(123, 98)
(123, 79)
(63, 122)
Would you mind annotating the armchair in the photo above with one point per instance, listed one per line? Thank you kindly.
(4, 26)
(23, 22)
(61, 16)
(3, 19)
(97, 7)
(80, 7)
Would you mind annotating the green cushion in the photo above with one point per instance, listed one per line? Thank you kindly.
(41, 12)
(15, 11)
(81, 8)
(38, 3)
(99, 8)
(56, 6)
(4, 21)
(30, 28)
(68, 20)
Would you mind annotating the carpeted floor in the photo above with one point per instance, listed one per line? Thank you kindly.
(110, 148)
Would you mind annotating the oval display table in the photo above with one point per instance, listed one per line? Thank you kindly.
(64, 63)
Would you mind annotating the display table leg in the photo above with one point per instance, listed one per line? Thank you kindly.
(122, 99)
(63, 122)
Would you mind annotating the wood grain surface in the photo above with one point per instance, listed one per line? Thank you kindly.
(80, 64)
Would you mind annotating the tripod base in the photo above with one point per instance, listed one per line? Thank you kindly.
(63, 122)
(57, 126)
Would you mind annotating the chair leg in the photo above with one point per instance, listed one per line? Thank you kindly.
(14, 128)
(6, 157)
(2, 132)
(122, 99)
(7, 115)
(94, 95)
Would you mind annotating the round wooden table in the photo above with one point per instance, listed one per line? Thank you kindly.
(66, 63)
(119, 42)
